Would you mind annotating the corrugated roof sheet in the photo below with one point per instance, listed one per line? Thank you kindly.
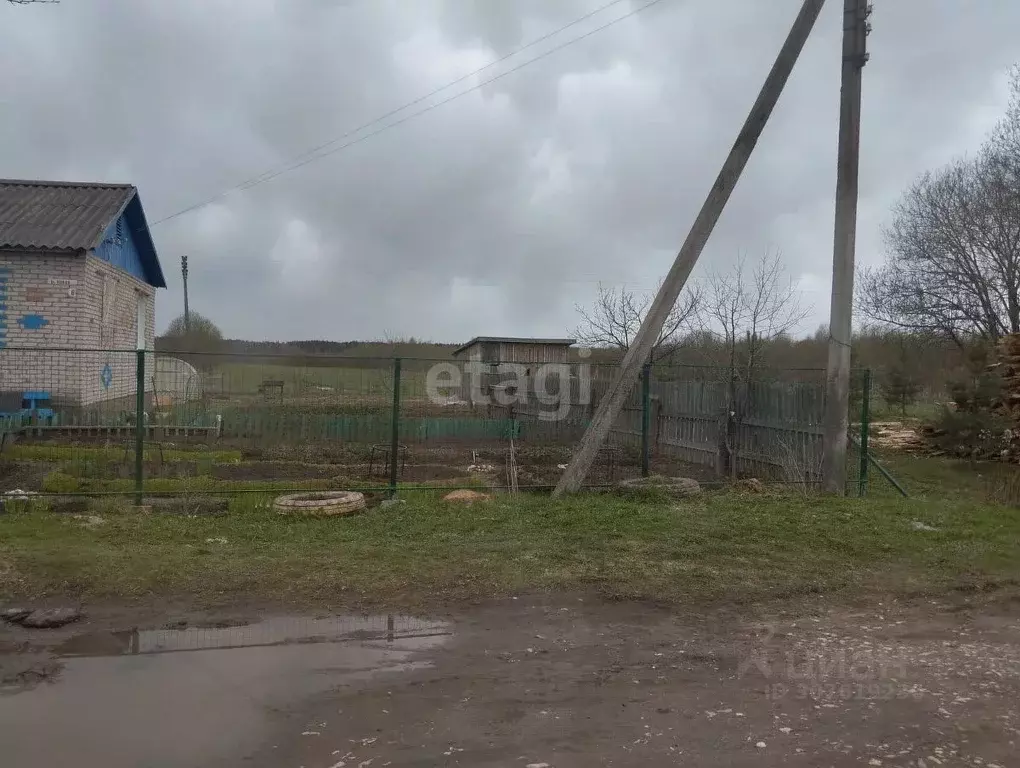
(58, 215)
(514, 340)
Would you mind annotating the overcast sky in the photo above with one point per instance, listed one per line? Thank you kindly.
(497, 212)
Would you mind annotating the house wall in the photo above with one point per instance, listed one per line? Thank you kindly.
(75, 305)
(41, 305)
(110, 311)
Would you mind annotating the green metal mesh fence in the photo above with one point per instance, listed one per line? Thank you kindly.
(72, 422)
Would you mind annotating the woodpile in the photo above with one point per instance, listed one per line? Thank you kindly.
(985, 424)
(1008, 368)
(895, 435)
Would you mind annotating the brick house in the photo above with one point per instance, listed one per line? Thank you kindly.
(78, 275)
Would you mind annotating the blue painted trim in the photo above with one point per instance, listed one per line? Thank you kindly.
(118, 249)
(134, 215)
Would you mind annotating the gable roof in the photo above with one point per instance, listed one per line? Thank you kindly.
(513, 340)
(65, 216)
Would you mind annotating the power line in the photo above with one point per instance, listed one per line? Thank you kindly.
(255, 179)
(316, 153)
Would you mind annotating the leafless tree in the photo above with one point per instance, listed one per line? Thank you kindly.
(746, 309)
(953, 248)
(33, 2)
(614, 318)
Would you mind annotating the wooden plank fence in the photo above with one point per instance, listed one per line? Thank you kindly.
(776, 431)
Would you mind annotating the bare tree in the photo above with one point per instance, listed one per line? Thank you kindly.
(746, 309)
(749, 307)
(953, 248)
(614, 318)
(33, 2)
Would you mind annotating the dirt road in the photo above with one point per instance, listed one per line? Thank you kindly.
(556, 681)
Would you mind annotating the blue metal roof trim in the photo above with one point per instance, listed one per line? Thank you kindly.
(135, 216)
(118, 249)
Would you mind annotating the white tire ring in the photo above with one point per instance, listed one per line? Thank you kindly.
(320, 503)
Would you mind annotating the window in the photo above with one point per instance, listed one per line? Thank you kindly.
(107, 301)
(140, 321)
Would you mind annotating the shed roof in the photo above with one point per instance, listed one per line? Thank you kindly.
(67, 216)
(514, 340)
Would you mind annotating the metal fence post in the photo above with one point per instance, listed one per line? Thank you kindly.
(862, 477)
(139, 425)
(395, 428)
(646, 415)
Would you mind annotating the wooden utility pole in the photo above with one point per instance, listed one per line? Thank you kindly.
(837, 375)
(640, 349)
(184, 275)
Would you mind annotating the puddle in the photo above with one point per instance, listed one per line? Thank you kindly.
(198, 696)
(276, 631)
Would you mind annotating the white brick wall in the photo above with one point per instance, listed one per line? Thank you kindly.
(74, 315)
(117, 330)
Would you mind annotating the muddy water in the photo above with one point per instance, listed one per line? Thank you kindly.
(197, 696)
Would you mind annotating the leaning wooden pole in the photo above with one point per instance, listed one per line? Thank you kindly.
(609, 408)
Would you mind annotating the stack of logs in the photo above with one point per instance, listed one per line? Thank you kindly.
(978, 442)
(1008, 367)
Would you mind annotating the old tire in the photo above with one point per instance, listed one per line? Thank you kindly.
(324, 503)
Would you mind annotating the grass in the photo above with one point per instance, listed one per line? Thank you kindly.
(934, 479)
(370, 378)
(722, 545)
(59, 482)
(881, 410)
(42, 452)
(63, 483)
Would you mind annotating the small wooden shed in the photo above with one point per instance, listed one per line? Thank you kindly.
(507, 349)
(518, 358)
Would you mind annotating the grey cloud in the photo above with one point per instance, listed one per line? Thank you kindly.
(497, 212)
